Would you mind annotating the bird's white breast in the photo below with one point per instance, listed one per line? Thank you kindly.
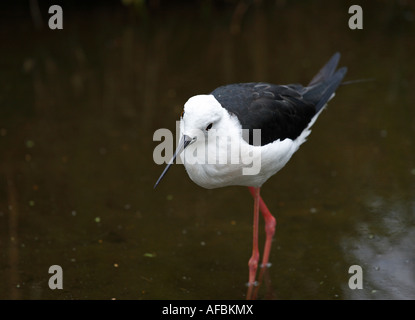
(245, 164)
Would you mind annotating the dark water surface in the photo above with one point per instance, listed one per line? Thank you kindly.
(78, 109)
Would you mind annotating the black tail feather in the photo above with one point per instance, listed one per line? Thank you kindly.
(322, 87)
(332, 85)
(327, 71)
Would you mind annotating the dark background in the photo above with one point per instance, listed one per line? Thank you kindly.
(78, 109)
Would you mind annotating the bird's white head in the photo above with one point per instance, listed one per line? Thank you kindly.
(201, 113)
(202, 118)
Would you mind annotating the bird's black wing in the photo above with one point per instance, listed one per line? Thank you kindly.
(280, 111)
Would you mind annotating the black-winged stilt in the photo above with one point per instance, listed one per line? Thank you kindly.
(283, 113)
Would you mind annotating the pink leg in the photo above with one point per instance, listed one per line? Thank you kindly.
(253, 261)
(270, 224)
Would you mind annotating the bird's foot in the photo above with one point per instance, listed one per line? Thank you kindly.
(252, 284)
(267, 265)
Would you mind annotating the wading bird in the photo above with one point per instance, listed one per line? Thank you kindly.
(276, 119)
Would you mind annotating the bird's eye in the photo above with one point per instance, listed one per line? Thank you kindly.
(209, 126)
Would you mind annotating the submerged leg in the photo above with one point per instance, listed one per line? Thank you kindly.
(253, 261)
(270, 224)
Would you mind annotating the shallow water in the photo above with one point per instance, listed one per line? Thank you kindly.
(78, 109)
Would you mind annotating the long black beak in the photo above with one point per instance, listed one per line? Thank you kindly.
(184, 142)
